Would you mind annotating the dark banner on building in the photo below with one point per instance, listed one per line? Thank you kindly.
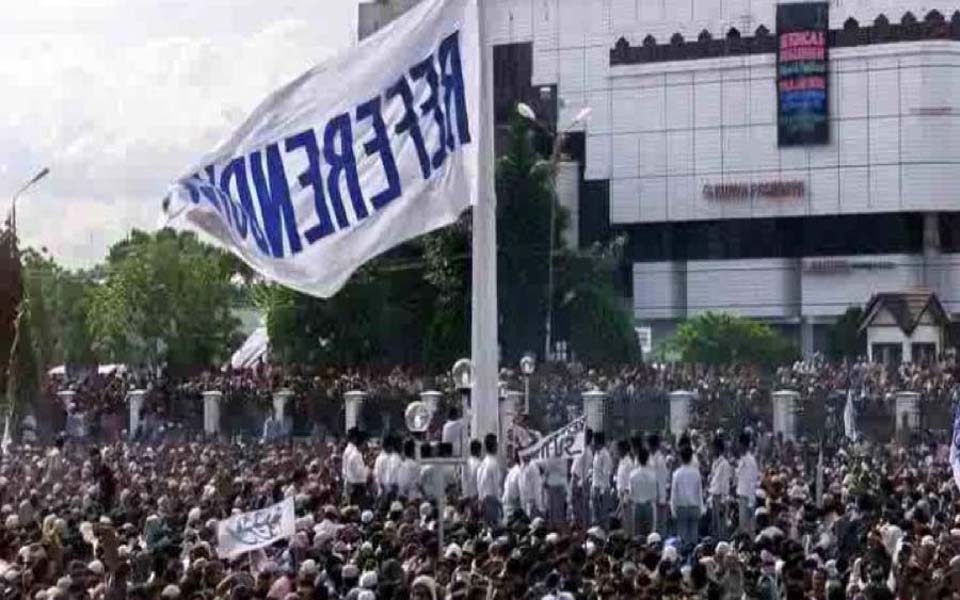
(802, 55)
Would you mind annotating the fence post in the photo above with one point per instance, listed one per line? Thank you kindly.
(211, 412)
(785, 414)
(134, 406)
(680, 406)
(353, 403)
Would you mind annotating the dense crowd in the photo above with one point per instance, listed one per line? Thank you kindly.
(710, 516)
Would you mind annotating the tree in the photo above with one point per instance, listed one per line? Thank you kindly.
(165, 298)
(845, 339)
(725, 339)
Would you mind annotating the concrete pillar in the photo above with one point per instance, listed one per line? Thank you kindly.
(806, 338)
(135, 400)
(510, 404)
(568, 197)
(785, 414)
(432, 399)
(353, 403)
(280, 400)
(595, 409)
(932, 273)
(907, 411)
(211, 412)
(681, 403)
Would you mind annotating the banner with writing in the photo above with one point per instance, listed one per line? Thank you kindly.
(257, 529)
(802, 73)
(566, 442)
(361, 153)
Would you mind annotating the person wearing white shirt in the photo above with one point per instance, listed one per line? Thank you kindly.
(622, 482)
(380, 467)
(686, 498)
(659, 464)
(452, 432)
(489, 477)
(600, 479)
(580, 482)
(748, 480)
(556, 487)
(531, 488)
(721, 476)
(468, 479)
(511, 493)
(643, 494)
(408, 474)
(392, 470)
(355, 472)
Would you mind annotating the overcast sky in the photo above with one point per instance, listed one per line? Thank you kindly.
(118, 97)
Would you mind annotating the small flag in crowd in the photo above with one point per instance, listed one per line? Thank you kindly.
(955, 445)
(257, 529)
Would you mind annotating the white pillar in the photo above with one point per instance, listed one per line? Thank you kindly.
(484, 347)
(594, 409)
(510, 404)
(568, 197)
(785, 414)
(135, 405)
(211, 412)
(907, 411)
(681, 403)
(353, 402)
(280, 400)
(432, 399)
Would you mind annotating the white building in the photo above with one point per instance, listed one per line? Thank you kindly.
(684, 100)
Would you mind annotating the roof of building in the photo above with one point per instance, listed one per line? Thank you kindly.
(907, 309)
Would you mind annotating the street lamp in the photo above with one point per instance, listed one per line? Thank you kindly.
(528, 365)
(559, 135)
(13, 206)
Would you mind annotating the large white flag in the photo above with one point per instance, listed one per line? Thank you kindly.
(257, 529)
(356, 156)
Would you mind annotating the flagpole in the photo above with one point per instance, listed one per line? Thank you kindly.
(483, 323)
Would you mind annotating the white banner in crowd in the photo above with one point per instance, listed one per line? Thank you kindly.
(370, 149)
(955, 446)
(254, 530)
(566, 442)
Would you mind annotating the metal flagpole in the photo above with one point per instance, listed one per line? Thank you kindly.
(484, 342)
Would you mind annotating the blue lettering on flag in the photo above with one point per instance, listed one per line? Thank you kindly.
(425, 70)
(380, 144)
(274, 197)
(343, 162)
(312, 178)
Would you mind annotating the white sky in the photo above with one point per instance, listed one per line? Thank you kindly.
(117, 97)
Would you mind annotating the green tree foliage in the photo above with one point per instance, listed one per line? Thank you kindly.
(724, 339)
(845, 339)
(165, 298)
(600, 327)
(58, 311)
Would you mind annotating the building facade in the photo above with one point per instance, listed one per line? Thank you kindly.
(682, 153)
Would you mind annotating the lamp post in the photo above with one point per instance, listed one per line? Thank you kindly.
(13, 205)
(558, 136)
(528, 365)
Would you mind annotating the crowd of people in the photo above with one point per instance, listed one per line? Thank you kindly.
(710, 515)
(725, 395)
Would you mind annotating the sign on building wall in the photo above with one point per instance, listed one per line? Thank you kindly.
(802, 55)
